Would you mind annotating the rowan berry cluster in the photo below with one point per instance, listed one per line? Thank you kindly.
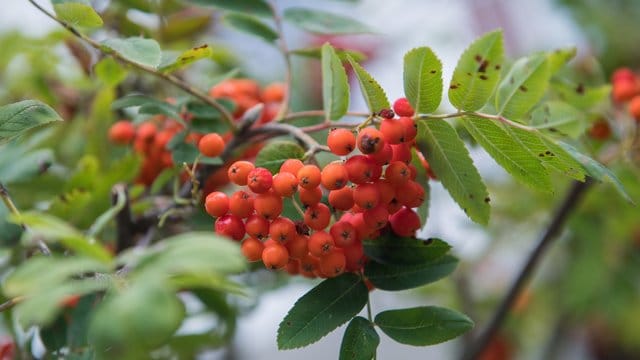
(626, 89)
(346, 202)
(151, 137)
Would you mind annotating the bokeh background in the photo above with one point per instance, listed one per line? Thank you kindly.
(582, 304)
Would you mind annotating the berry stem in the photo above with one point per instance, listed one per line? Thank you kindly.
(11, 303)
(186, 87)
(8, 202)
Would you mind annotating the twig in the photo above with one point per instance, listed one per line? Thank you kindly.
(124, 224)
(11, 303)
(8, 202)
(560, 217)
(499, 118)
(199, 94)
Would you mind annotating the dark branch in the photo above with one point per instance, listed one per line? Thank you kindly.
(125, 228)
(557, 224)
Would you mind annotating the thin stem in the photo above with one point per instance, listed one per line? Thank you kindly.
(499, 118)
(11, 303)
(328, 125)
(297, 206)
(284, 49)
(557, 223)
(8, 202)
(186, 87)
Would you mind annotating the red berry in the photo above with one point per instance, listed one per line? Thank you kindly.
(259, 180)
(370, 140)
(291, 166)
(123, 132)
(333, 264)
(241, 204)
(393, 131)
(257, 226)
(383, 156)
(216, 204)
(341, 141)
(239, 171)
(367, 196)
(252, 249)
(211, 145)
(343, 233)
(317, 216)
(275, 256)
(377, 217)
(285, 184)
(282, 230)
(402, 107)
(320, 243)
(231, 226)
(341, 199)
(334, 176)
(634, 107)
(410, 128)
(405, 222)
(268, 205)
(309, 197)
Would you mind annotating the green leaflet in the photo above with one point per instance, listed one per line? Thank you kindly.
(373, 93)
(318, 312)
(523, 86)
(423, 80)
(426, 325)
(477, 72)
(450, 160)
(335, 85)
(509, 153)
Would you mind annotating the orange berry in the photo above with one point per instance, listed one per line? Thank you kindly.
(162, 139)
(146, 131)
(211, 145)
(291, 166)
(354, 255)
(241, 204)
(282, 230)
(624, 90)
(309, 176)
(333, 264)
(256, 226)
(268, 205)
(309, 265)
(622, 74)
(285, 184)
(383, 156)
(341, 141)
(122, 132)
(298, 247)
(252, 249)
(377, 217)
(394, 206)
(405, 222)
(216, 204)
(364, 232)
(292, 267)
(387, 191)
(410, 128)
(317, 216)
(320, 243)
(343, 233)
(634, 107)
(402, 107)
(275, 256)
(367, 196)
(370, 140)
(334, 176)
(362, 169)
(231, 226)
(397, 173)
(309, 197)
(393, 131)
(238, 172)
(401, 152)
(341, 199)
(273, 92)
(259, 180)
(410, 194)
